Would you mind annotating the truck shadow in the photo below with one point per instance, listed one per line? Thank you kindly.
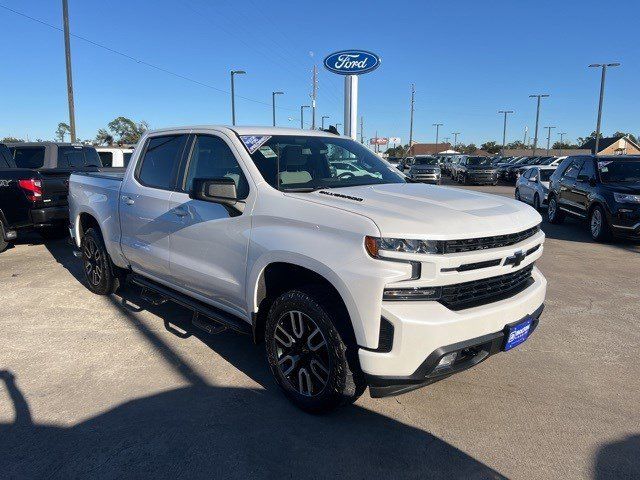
(619, 459)
(208, 431)
(214, 432)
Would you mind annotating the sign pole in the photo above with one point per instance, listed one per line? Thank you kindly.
(351, 105)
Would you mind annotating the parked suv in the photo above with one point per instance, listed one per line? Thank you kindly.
(425, 169)
(252, 229)
(603, 190)
(478, 170)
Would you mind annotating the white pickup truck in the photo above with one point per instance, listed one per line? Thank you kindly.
(349, 280)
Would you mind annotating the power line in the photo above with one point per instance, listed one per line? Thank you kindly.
(139, 61)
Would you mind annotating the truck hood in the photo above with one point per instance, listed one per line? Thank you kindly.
(410, 210)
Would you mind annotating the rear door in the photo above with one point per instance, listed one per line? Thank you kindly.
(567, 199)
(146, 219)
(209, 241)
(582, 187)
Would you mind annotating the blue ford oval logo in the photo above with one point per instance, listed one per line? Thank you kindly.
(352, 62)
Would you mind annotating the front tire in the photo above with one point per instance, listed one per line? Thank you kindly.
(97, 267)
(313, 362)
(554, 214)
(598, 226)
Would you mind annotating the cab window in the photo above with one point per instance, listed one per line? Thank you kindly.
(211, 157)
(161, 160)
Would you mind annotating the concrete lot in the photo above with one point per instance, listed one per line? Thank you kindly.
(115, 387)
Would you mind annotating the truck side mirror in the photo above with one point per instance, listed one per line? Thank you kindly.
(216, 190)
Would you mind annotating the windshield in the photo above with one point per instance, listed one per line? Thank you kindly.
(479, 161)
(425, 161)
(619, 170)
(306, 163)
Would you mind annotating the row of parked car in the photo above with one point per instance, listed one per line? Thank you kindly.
(34, 184)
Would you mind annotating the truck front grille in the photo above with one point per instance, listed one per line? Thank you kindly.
(487, 290)
(457, 246)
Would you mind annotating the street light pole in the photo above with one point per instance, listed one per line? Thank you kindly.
(504, 127)
(437, 125)
(273, 105)
(413, 98)
(302, 107)
(548, 138)
(455, 139)
(603, 66)
(562, 134)
(233, 95)
(535, 138)
(322, 121)
(67, 52)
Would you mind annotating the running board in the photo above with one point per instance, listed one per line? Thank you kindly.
(224, 319)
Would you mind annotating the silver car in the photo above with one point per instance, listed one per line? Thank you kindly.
(532, 186)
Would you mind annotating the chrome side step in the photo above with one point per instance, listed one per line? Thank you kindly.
(214, 321)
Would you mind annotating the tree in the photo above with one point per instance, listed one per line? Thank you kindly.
(12, 140)
(490, 147)
(62, 130)
(631, 136)
(516, 145)
(398, 151)
(126, 130)
(103, 137)
(466, 149)
(591, 136)
(563, 146)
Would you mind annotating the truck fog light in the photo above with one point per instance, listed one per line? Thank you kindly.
(447, 360)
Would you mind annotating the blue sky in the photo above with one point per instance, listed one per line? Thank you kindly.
(468, 60)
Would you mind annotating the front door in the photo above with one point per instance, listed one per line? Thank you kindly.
(145, 214)
(209, 242)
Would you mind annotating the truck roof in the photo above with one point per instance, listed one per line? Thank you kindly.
(251, 130)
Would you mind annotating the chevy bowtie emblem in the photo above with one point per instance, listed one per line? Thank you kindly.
(516, 259)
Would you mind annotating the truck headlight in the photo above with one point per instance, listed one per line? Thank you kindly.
(417, 293)
(626, 198)
(374, 245)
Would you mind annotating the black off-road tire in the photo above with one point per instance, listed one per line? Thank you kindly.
(554, 214)
(345, 381)
(99, 272)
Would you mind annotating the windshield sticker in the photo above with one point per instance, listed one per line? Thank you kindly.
(267, 152)
(254, 142)
(602, 166)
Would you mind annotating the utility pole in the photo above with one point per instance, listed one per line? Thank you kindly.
(455, 139)
(504, 127)
(314, 95)
(562, 134)
(302, 107)
(413, 99)
(548, 138)
(362, 130)
(602, 80)
(526, 133)
(233, 94)
(535, 138)
(273, 105)
(67, 53)
(322, 120)
(437, 125)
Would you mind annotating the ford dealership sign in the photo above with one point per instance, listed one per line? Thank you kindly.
(352, 62)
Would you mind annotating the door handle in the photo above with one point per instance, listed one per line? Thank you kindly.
(128, 200)
(181, 212)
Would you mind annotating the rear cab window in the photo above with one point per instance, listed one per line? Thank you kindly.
(28, 157)
(161, 161)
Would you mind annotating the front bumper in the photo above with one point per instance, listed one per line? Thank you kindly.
(426, 177)
(625, 220)
(49, 215)
(421, 328)
(482, 178)
(469, 353)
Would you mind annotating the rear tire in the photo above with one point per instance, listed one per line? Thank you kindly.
(314, 362)
(3, 243)
(99, 272)
(554, 214)
(598, 225)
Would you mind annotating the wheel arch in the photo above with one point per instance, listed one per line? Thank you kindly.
(281, 275)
